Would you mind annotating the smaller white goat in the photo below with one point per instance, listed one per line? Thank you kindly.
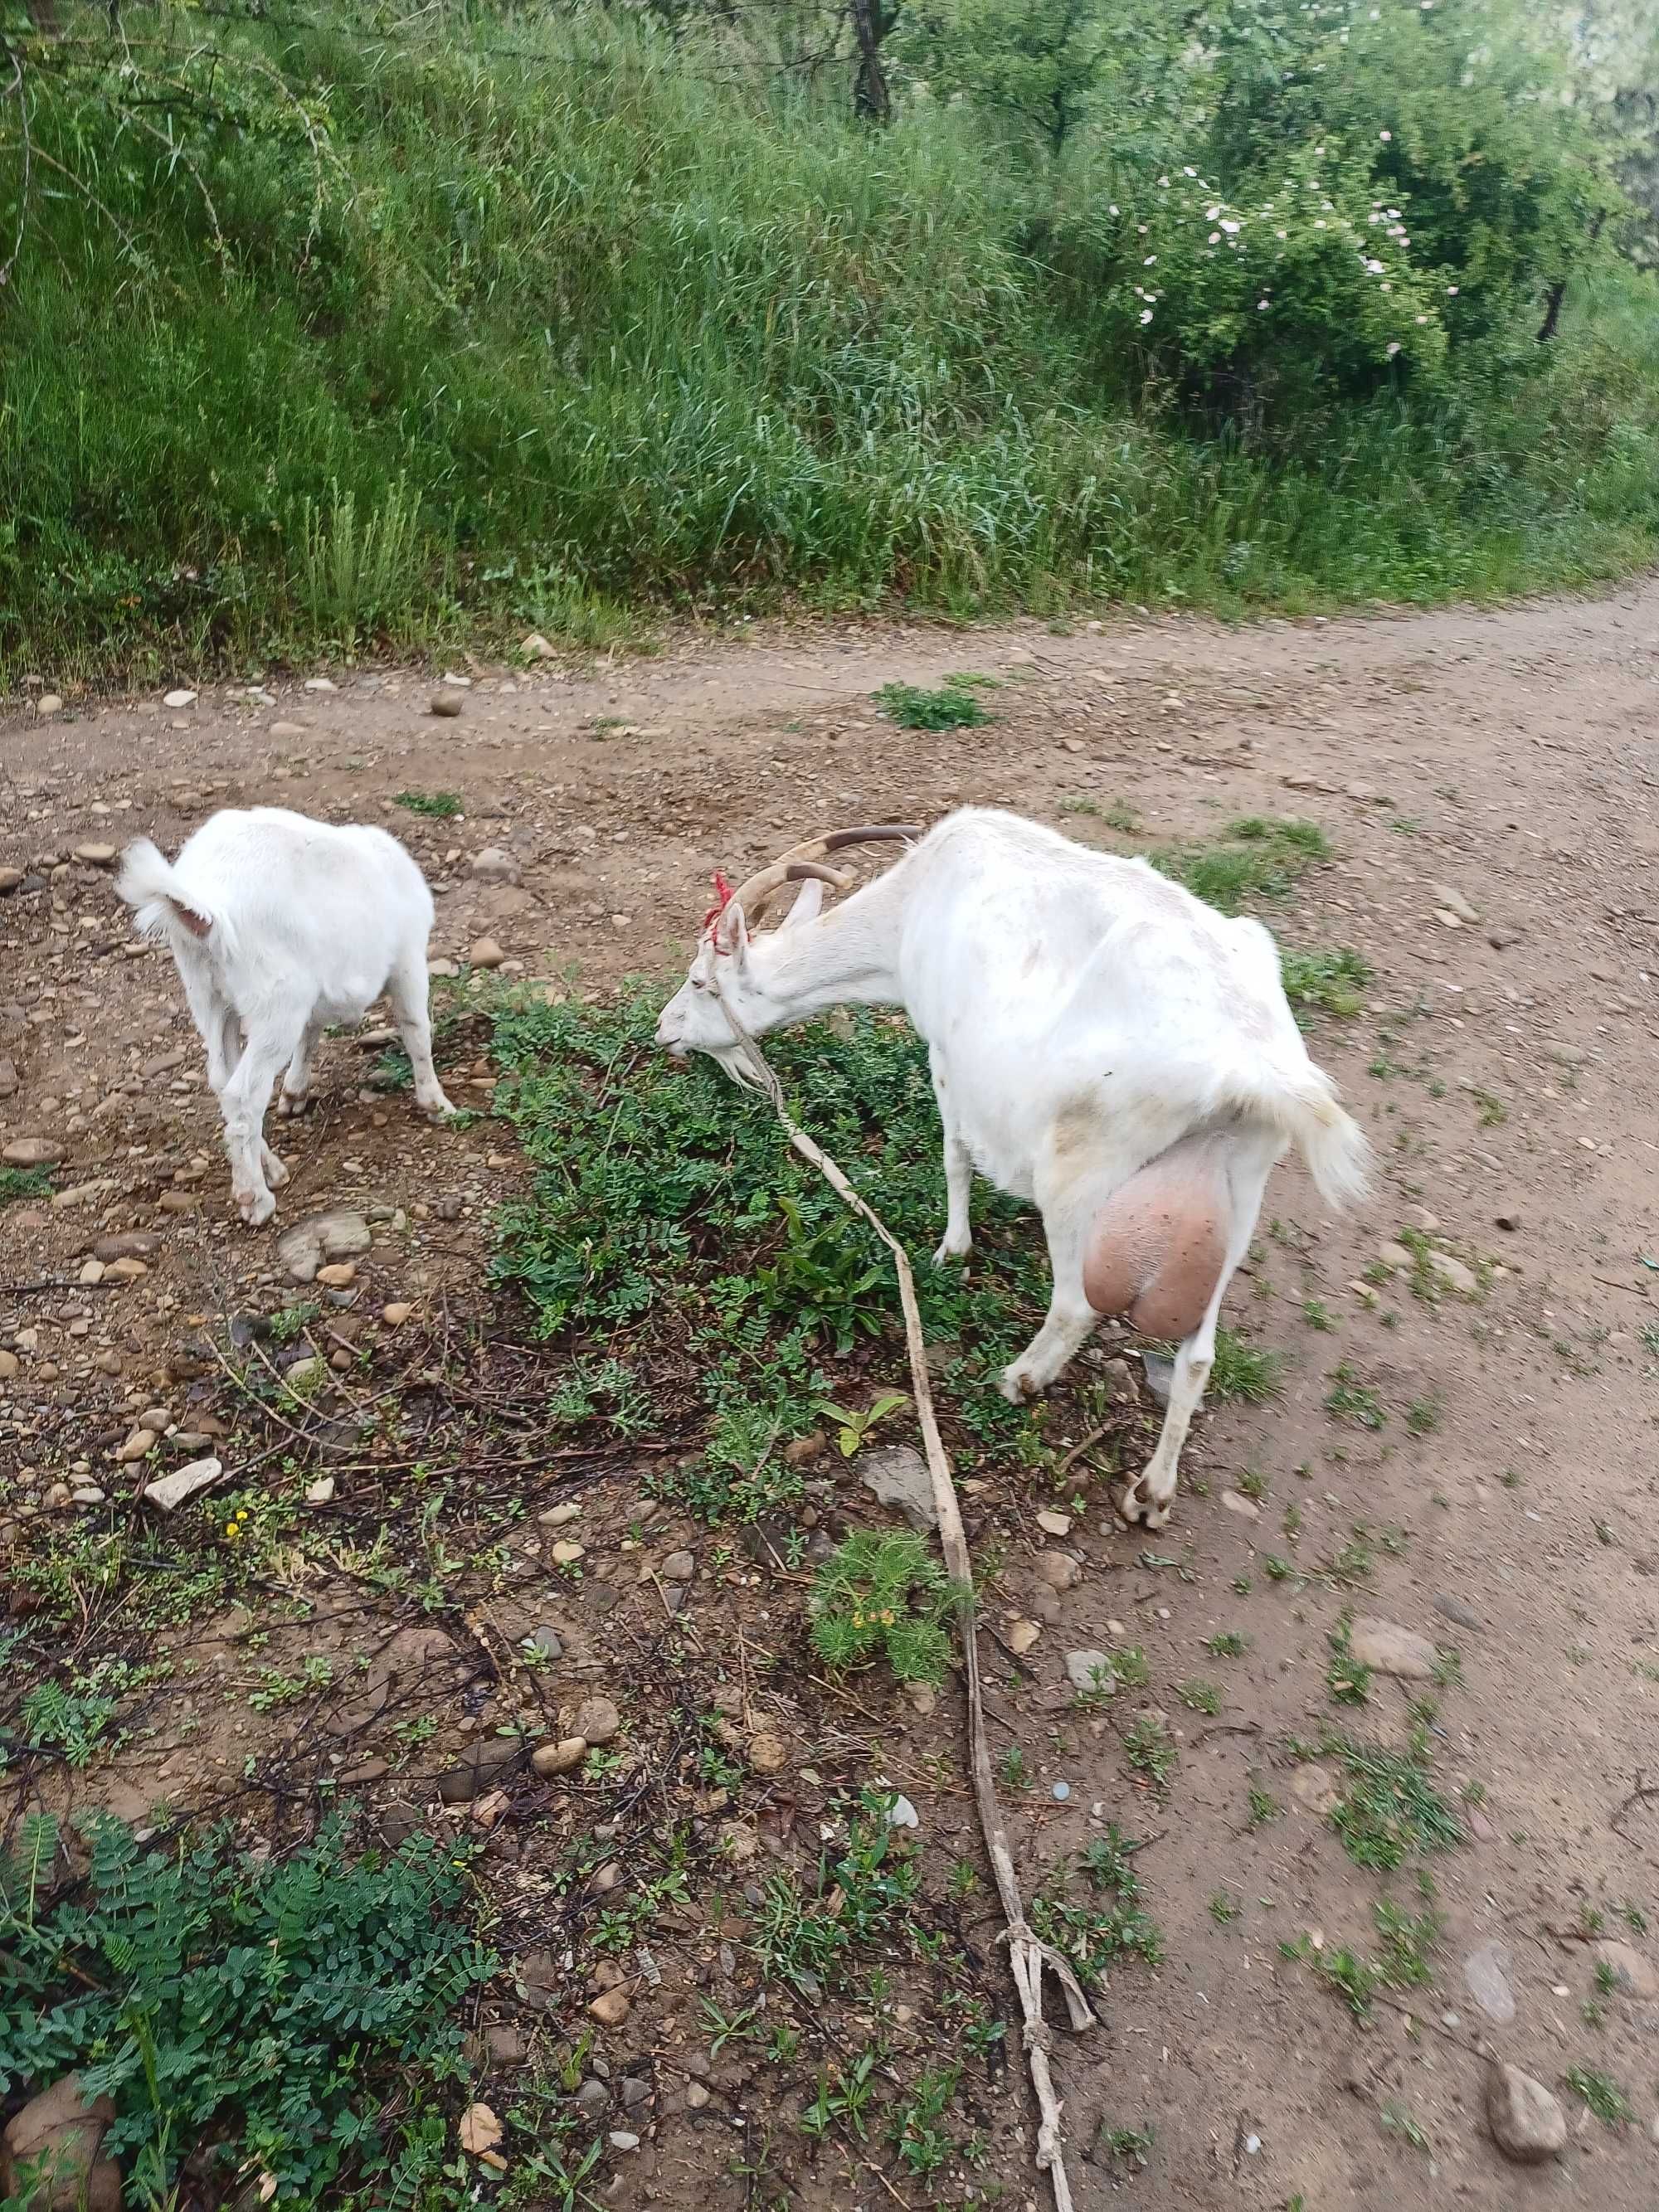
(1101, 1043)
(281, 928)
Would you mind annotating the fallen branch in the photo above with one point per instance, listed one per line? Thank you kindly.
(1028, 1954)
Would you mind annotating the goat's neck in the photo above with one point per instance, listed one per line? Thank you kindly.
(848, 957)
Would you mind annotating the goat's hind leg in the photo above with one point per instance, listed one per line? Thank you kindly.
(245, 1098)
(1149, 1497)
(959, 1179)
(294, 1097)
(407, 988)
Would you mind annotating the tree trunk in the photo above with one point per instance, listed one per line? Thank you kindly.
(871, 102)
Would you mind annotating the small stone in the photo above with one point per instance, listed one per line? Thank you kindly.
(768, 1752)
(635, 2092)
(1500, 937)
(488, 1811)
(49, 702)
(1246, 1508)
(8, 1364)
(1486, 1977)
(338, 1276)
(320, 1492)
(395, 1315)
(485, 953)
(679, 1567)
(88, 1494)
(799, 1449)
(1387, 1648)
(610, 2008)
(9, 879)
(1314, 1785)
(1090, 1672)
(565, 1553)
(342, 1234)
(1528, 2123)
(92, 1273)
(1058, 1569)
(696, 2096)
(1632, 1976)
(168, 1491)
(1445, 896)
(493, 865)
(1453, 1609)
(56, 2141)
(140, 1442)
(898, 1476)
(536, 648)
(558, 1517)
(96, 855)
(621, 2138)
(304, 1373)
(124, 1270)
(1020, 1635)
(134, 1244)
(1510, 1220)
(474, 1775)
(547, 1641)
(561, 1758)
(1054, 1524)
(593, 2098)
(598, 1719)
(181, 698)
(32, 1152)
(901, 1814)
(8, 1076)
(447, 704)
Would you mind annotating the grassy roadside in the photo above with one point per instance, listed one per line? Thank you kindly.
(455, 336)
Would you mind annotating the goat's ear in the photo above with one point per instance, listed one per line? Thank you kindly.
(732, 931)
(808, 906)
(197, 923)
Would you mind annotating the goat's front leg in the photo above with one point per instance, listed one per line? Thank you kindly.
(408, 988)
(1071, 1317)
(958, 1176)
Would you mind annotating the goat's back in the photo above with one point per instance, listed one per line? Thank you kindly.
(335, 902)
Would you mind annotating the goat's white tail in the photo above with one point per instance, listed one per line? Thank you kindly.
(147, 880)
(1302, 1104)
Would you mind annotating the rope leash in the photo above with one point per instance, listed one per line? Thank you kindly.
(1028, 1954)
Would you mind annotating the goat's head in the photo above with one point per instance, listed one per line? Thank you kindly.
(733, 966)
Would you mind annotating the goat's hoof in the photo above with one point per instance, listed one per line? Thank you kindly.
(1018, 1385)
(255, 1206)
(437, 1108)
(275, 1173)
(1140, 1510)
(947, 1251)
(291, 1105)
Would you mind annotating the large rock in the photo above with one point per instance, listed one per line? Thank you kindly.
(1528, 2123)
(1631, 1974)
(493, 865)
(341, 1235)
(32, 1152)
(169, 1490)
(1486, 1977)
(55, 2142)
(1387, 1648)
(898, 1476)
(1090, 1672)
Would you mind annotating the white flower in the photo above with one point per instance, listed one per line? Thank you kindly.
(1260, 307)
(1231, 228)
(1210, 213)
(1189, 173)
(1148, 262)
(1385, 288)
(1375, 268)
(1422, 319)
(1451, 291)
(1281, 233)
(1146, 314)
(1111, 208)
(1385, 136)
(1319, 222)
(1318, 152)
(1214, 237)
(1163, 183)
(1393, 347)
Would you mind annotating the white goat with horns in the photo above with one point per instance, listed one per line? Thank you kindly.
(281, 928)
(1101, 1043)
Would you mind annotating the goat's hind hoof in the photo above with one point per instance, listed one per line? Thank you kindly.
(1140, 1510)
(1018, 1385)
(291, 1106)
(438, 1110)
(255, 1206)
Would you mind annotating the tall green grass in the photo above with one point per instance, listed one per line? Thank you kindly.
(568, 323)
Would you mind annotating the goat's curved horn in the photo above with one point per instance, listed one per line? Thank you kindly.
(803, 861)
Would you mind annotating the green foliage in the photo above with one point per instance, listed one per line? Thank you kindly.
(1109, 1923)
(1323, 982)
(1602, 2094)
(801, 1936)
(439, 805)
(18, 1183)
(1243, 1371)
(1253, 858)
(452, 358)
(1388, 1809)
(269, 2008)
(951, 708)
(882, 1591)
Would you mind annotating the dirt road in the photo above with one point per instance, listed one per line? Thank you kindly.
(1465, 1444)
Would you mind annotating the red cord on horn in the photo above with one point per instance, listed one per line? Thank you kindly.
(723, 900)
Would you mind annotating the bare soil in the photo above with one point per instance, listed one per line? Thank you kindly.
(1504, 1067)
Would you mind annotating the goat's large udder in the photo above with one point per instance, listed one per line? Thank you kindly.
(1158, 1247)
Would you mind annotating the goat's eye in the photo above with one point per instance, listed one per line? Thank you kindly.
(697, 986)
